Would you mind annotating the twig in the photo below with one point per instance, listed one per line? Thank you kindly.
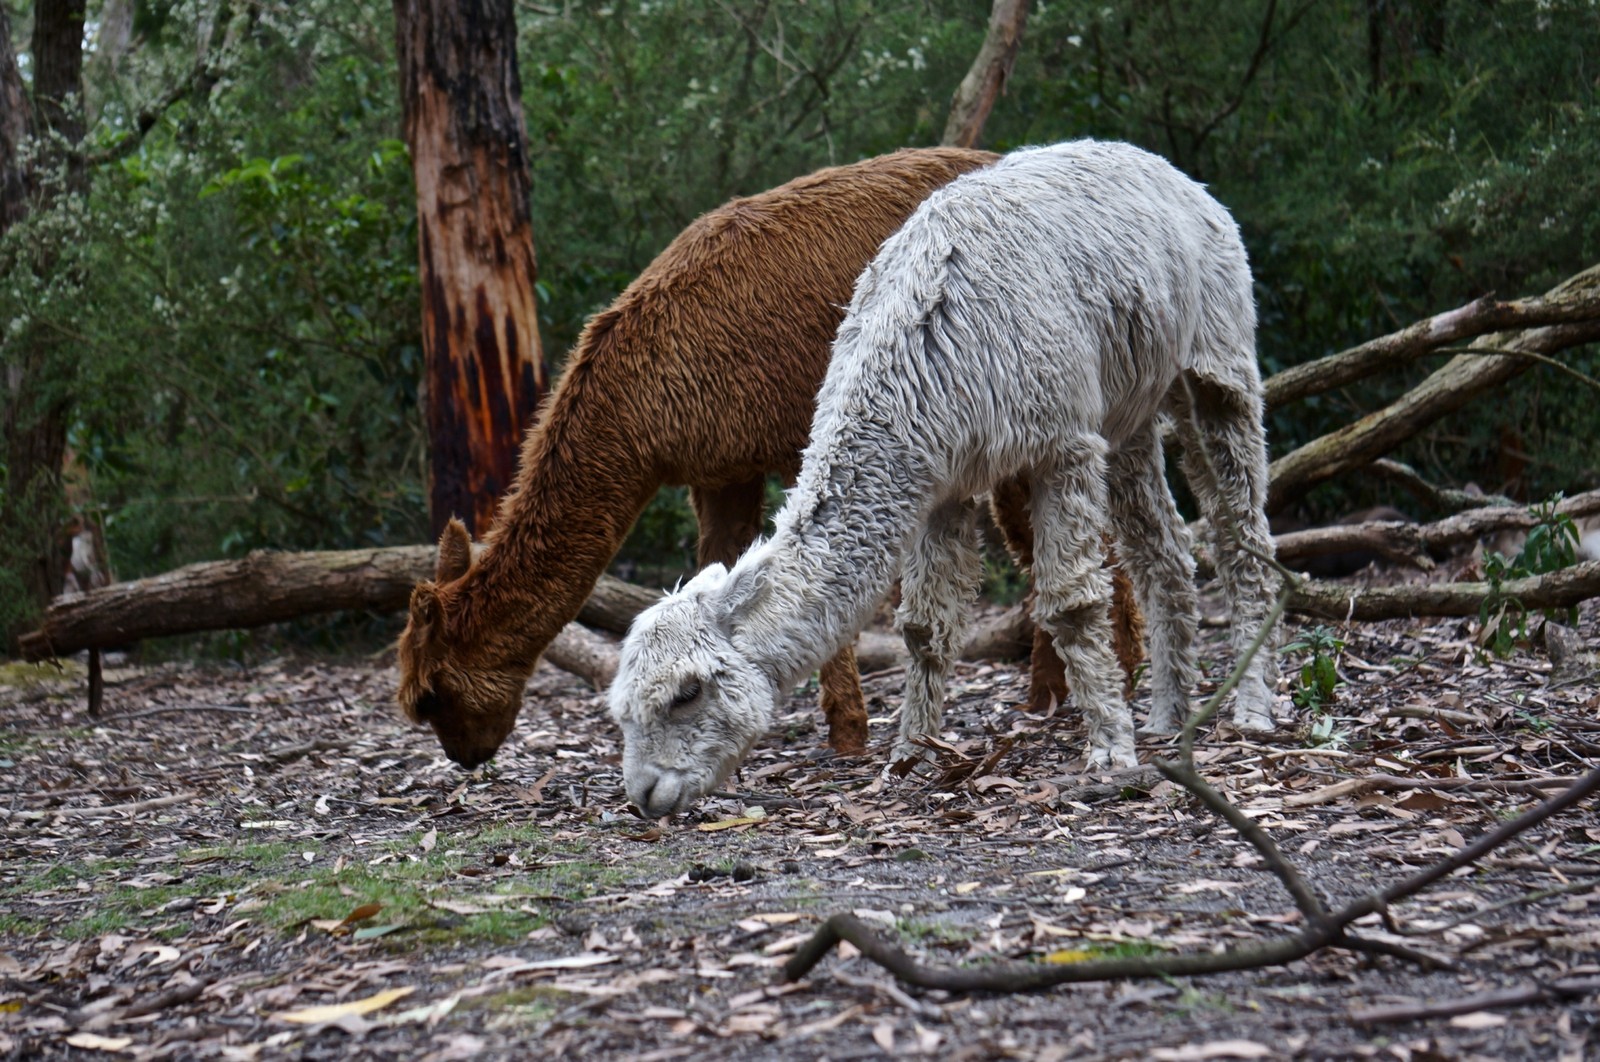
(1515, 901)
(234, 708)
(97, 684)
(108, 809)
(888, 988)
(1364, 785)
(1514, 997)
(162, 1000)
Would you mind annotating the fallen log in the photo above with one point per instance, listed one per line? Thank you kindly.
(1476, 318)
(1338, 601)
(1455, 384)
(269, 587)
(272, 587)
(1412, 543)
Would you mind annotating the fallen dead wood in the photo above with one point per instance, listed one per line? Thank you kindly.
(1547, 992)
(1444, 499)
(1476, 318)
(1374, 783)
(1322, 928)
(108, 809)
(1337, 601)
(1412, 543)
(1455, 384)
(269, 587)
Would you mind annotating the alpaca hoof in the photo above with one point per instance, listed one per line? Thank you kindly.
(1253, 713)
(1111, 759)
(1163, 720)
(904, 752)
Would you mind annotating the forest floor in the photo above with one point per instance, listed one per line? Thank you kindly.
(241, 862)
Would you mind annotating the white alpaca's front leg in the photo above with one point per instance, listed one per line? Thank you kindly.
(1074, 597)
(938, 584)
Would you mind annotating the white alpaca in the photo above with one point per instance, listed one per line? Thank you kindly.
(1032, 318)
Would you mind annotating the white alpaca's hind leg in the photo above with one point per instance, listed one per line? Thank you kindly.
(939, 581)
(1074, 596)
(1155, 550)
(1226, 461)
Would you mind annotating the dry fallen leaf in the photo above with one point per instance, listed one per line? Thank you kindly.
(91, 1042)
(1216, 1049)
(362, 913)
(1478, 1019)
(335, 1011)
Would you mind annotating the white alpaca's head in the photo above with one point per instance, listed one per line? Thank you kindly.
(689, 701)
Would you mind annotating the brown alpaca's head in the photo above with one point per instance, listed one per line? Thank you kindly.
(469, 689)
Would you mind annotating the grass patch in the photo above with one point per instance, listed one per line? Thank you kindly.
(933, 933)
(527, 1005)
(26, 678)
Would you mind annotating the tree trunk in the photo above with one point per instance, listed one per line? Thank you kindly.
(984, 83)
(15, 126)
(480, 335)
(38, 382)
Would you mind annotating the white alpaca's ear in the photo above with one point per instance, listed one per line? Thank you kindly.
(739, 596)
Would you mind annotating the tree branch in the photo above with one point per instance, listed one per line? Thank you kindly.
(1329, 931)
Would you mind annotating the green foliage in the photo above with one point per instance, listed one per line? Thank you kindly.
(1551, 545)
(1317, 686)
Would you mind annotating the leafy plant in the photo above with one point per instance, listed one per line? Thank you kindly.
(1551, 545)
(1317, 685)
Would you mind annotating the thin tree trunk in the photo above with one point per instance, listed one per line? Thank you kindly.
(485, 369)
(15, 127)
(984, 83)
(38, 383)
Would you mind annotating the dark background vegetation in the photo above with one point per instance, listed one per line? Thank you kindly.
(237, 300)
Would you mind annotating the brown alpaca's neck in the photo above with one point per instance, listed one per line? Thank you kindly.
(580, 486)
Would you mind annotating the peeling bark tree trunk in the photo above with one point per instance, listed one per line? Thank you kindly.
(480, 333)
(984, 83)
(38, 381)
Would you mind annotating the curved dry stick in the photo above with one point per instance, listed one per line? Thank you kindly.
(1331, 932)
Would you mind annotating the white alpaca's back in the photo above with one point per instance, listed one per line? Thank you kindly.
(1059, 290)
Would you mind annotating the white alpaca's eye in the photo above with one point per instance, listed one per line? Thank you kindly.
(686, 693)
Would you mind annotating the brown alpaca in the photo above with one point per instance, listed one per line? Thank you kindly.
(704, 372)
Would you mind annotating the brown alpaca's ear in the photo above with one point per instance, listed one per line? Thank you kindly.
(455, 552)
(426, 624)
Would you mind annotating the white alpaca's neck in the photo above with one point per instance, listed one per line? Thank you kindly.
(836, 549)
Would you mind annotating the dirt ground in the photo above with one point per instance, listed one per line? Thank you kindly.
(229, 849)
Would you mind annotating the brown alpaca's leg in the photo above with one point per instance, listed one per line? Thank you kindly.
(730, 519)
(1047, 680)
(1127, 622)
(843, 704)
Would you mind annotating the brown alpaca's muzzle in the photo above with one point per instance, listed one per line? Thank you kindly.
(469, 735)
